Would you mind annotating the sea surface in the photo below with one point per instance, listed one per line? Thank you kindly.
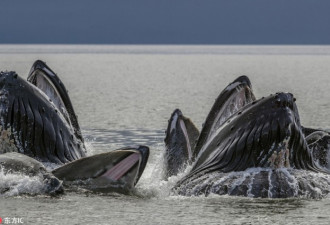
(124, 95)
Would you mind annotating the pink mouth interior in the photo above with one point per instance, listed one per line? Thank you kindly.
(183, 127)
(117, 171)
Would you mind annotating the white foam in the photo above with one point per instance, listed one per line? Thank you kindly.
(152, 183)
(13, 184)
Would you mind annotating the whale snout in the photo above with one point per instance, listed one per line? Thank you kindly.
(284, 100)
(8, 79)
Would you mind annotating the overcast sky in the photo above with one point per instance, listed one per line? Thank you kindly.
(165, 21)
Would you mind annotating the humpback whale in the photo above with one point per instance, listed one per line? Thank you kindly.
(37, 120)
(256, 148)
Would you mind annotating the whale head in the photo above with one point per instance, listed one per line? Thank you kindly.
(37, 117)
(115, 171)
(264, 133)
(181, 135)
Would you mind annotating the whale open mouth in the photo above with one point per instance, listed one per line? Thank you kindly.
(40, 79)
(234, 97)
(181, 128)
(143, 153)
(181, 135)
(118, 170)
(50, 84)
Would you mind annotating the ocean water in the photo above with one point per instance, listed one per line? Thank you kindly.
(124, 95)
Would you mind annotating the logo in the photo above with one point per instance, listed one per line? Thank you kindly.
(11, 220)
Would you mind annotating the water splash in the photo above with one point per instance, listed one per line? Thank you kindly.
(152, 183)
(14, 184)
(253, 182)
(260, 182)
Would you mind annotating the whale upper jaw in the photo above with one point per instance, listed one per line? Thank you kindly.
(115, 171)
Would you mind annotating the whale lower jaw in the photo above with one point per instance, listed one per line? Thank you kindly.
(259, 183)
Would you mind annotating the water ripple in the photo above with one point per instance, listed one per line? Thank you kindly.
(101, 140)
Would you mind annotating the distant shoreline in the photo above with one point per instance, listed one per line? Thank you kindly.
(165, 49)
